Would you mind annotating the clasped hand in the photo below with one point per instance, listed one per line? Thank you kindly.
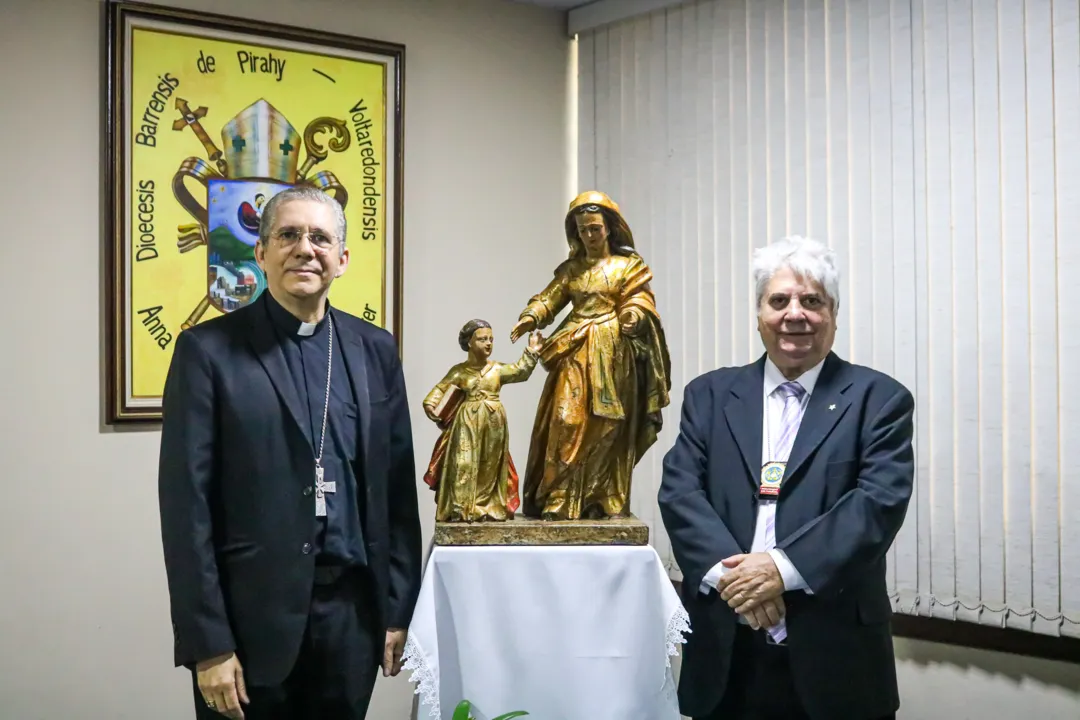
(753, 587)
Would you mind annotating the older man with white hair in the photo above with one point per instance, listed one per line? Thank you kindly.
(784, 489)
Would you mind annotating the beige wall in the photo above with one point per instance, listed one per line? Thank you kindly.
(84, 625)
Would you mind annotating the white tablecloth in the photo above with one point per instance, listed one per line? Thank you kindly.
(564, 633)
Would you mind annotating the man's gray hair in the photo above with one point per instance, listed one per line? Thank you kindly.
(301, 192)
(808, 258)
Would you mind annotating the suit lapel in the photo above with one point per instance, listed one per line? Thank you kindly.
(355, 355)
(744, 416)
(826, 406)
(264, 342)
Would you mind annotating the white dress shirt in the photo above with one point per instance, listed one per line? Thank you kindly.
(773, 408)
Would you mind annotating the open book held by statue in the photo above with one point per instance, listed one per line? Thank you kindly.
(608, 381)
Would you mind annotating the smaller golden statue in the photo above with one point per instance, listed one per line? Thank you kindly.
(471, 471)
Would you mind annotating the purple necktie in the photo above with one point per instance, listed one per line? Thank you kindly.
(793, 393)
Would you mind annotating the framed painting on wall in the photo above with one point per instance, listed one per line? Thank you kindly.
(207, 118)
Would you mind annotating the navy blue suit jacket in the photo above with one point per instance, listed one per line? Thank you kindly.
(234, 484)
(845, 494)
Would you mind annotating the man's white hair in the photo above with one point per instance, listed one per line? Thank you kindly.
(808, 258)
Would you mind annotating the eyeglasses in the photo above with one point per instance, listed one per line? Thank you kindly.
(291, 238)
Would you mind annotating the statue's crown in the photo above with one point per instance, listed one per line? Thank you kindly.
(260, 143)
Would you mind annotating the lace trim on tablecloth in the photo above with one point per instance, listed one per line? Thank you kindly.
(424, 676)
(677, 627)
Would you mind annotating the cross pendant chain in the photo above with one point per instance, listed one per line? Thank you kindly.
(321, 486)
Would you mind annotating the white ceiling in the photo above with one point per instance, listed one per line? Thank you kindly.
(559, 4)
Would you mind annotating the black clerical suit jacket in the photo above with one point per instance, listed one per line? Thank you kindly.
(236, 493)
(846, 490)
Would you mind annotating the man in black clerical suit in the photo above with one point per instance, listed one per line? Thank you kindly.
(787, 483)
(287, 488)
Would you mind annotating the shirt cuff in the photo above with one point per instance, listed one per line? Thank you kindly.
(708, 583)
(792, 579)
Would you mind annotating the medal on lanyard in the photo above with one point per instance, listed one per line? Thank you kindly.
(772, 474)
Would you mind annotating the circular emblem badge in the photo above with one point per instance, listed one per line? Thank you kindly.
(772, 474)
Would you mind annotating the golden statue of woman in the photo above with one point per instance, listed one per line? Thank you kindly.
(471, 470)
(608, 370)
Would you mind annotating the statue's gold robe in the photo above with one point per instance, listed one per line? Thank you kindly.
(600, 409)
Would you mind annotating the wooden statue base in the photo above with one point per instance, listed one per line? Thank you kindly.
(526, 531)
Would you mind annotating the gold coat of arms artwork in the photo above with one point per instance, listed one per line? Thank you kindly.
(209, 118)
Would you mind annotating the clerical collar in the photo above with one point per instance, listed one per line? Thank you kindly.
(288, 323)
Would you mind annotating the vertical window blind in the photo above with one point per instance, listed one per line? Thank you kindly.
(936, 147)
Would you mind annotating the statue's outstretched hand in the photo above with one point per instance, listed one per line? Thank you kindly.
(524, 325)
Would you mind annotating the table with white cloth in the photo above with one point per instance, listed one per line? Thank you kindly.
(561, 632)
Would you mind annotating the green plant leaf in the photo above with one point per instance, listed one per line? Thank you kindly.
(463, 711)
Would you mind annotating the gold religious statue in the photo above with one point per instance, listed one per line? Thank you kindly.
(608, 370)
(471, 470)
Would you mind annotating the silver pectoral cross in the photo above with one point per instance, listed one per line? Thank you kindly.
(321, 488)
